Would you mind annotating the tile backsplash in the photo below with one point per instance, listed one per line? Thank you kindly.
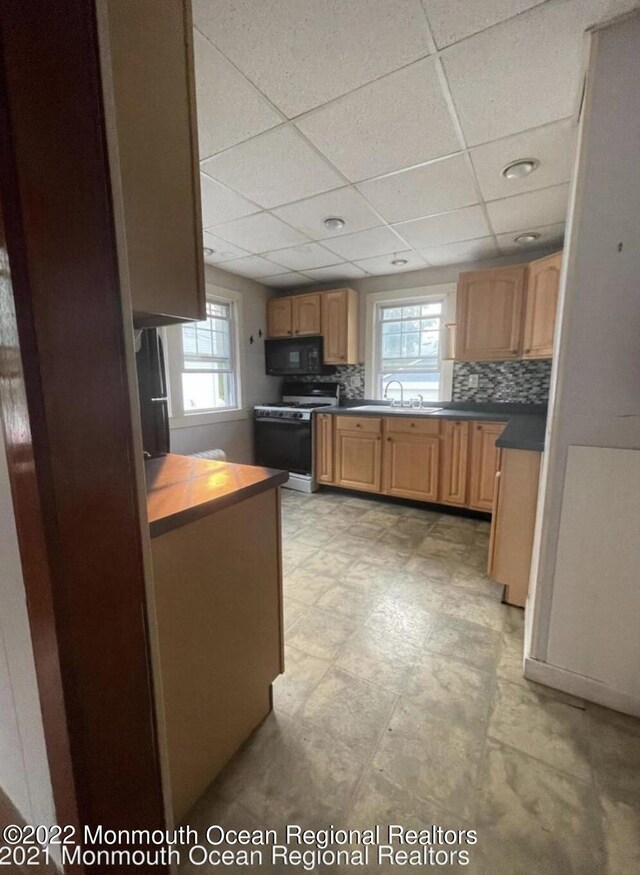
(350, 378)
(524, 382)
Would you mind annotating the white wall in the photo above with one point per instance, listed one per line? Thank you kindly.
(595, 402)
(24, 770)
(235, 437)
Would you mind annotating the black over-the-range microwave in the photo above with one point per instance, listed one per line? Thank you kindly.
(294, 355)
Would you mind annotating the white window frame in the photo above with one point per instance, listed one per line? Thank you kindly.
(175, 360)
(426, 294)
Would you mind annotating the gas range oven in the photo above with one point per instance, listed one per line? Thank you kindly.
(283, 431)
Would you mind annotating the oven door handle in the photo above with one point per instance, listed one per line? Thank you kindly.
(270, 420)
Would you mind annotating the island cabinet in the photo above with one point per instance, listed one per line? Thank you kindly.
(485, 461)
(358, 453)
(146, 53)
(543, 283)
(411, 458)
(454, 462)
(332, 314)
(218, 610)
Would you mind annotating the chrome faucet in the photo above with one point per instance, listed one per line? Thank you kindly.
(386, 393)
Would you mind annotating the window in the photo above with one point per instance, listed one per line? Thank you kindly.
(203, 364)
(408, 349)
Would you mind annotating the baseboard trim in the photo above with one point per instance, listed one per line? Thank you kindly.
(581, 686)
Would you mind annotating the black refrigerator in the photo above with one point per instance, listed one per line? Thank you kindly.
(152, 388)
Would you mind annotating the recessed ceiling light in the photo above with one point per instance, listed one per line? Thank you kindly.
(523, 239)
(334, 223)
(521, 167)
(398, 262)
(208, 250)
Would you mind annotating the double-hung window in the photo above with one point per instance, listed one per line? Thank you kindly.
(408, 336)
(203, 363)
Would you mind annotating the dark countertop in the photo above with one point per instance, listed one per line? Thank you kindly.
(181, 489)
(525, 429)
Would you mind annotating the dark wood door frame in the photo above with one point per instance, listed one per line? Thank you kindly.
(64, 401)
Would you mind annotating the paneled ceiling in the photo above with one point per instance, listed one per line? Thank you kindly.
(397, 116)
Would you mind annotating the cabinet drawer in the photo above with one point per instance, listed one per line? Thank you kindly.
(409, 425)
(369, 424)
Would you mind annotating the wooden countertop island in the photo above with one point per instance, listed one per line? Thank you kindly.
(181, 489)
(217, 571)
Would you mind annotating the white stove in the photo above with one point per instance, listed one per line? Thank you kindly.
(283, 431)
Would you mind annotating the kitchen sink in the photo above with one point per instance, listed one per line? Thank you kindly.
(384, 408)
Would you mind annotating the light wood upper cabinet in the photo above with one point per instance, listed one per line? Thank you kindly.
(340, 326)
(543, 282)
(279, 317)
(454, 462)
(146, 55)
(332, 314)
(358, 453)
(306, 314)
(485, 460)
(489, 314)
(411, 458)
(324, 447)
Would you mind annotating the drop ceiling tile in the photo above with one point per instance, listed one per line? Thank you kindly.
(251, 266)
(393, 123)
(337, 273)
(230, 109)
(223, 251)
(545, 207)
(381, 264)
(260, 233)
(422, 191)
(520, 74)
(451, 22)
(304, 256)
(286, 280)
(219, 204)
(346, 203)
(549, 235)
(274, 168)
(302, 53)
(468, 223)
(454, 253)
(553, 146)
(365, 244)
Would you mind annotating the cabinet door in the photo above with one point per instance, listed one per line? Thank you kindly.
(485, 461)
(411, 465)
(543, 282)
(489, 314)
(454, 462)
(358, 457)
(148, 80)
(340, 326)
(324, 447)
(306, 314)
(279, 317)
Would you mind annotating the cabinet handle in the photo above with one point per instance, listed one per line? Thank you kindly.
(412, 424)
(388, 438)
(358, 425)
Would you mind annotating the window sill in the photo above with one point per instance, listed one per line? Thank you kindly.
(211, 418)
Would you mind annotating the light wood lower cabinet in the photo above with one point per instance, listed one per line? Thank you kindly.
(454, 462)
(485, 460)
(324, 447)
(410, 458)
(219, 626)
(358, 453)
(513, 522)
(445, 461)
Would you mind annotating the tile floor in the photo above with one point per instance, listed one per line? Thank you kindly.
(403, 701)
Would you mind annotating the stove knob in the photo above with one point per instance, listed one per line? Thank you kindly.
(298, 415)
